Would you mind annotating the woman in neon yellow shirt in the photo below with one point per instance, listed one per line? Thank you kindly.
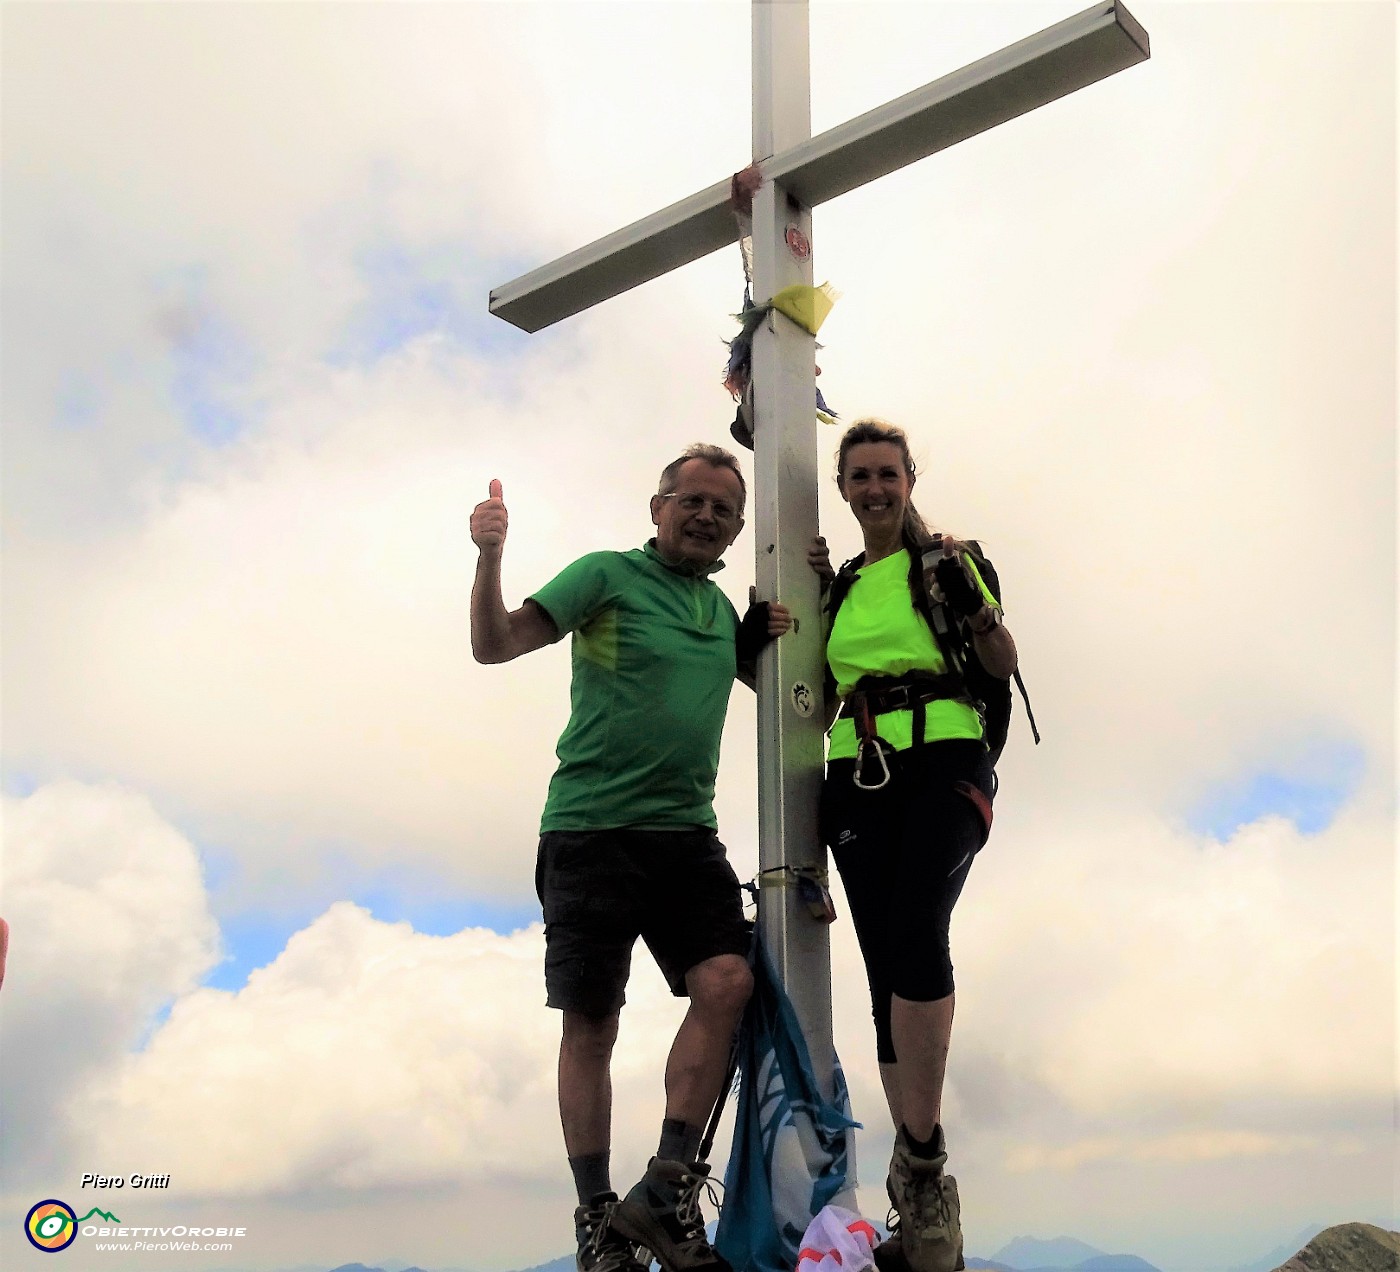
(915, 638)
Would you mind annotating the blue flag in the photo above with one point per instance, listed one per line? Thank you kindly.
(791, 1153)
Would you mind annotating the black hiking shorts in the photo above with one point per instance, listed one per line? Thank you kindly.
(602, 889)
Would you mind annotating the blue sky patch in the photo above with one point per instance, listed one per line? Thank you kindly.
(435, 916)
(1308, 790)
(211, 365)
(254, 939)
(18, 784)
(153, 1025)
(413, 292)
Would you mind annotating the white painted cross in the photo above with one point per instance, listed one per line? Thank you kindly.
(800, 171)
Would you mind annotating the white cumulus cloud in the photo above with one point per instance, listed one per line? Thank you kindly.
(109, 922)
(367, 1056)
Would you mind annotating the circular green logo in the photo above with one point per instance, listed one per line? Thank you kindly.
(51, 1226)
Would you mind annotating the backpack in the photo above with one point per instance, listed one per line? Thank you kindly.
(991, 694)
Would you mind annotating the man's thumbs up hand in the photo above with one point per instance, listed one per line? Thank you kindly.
(489, 520)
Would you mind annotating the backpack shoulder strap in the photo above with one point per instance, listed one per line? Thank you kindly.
(951, 641)
(841, 585)
(836, 594)
(989, 576)
(985, 568)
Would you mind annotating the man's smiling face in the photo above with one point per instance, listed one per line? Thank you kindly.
(701, 517)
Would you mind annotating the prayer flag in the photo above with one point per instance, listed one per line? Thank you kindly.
(792, 1153)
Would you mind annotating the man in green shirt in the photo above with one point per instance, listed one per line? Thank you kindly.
(627, 841)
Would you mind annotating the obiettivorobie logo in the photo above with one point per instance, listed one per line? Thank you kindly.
(51, 1225)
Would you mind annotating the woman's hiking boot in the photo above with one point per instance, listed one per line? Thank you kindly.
(889, 1254)
(600, 1247)
(928, 1236)
(662, 1213)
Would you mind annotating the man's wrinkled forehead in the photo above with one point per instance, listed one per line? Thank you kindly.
(700, 477)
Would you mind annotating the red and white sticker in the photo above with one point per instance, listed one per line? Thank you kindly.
(798, 243)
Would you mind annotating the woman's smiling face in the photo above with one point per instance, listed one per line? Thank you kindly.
(876, 485)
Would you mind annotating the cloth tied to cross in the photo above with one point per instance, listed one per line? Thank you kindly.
(807, 306)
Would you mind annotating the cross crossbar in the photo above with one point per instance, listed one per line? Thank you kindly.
(1033, 72)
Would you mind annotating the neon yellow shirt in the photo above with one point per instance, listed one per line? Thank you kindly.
(879, 632)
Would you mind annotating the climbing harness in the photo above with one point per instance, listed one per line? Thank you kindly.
(863, 716)
(965, 681)
(876, 695)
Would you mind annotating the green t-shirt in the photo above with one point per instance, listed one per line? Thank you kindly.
(653, 664)
(879, 632)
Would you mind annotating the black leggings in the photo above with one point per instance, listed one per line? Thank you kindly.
(903, 853)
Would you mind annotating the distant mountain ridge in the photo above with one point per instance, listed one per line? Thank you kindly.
(1026, 1253)
(1270, 1261)
(1099, 1263)
(565, 1263)
(1063, 1254)
(360, 1267)
(1347, 1247)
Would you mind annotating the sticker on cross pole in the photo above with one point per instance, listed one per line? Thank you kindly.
(798, 243)
(803, 701)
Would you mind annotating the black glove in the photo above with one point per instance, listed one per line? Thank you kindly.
(751, 637)
(959, 590)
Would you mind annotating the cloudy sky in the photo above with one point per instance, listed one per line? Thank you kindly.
(269, 831)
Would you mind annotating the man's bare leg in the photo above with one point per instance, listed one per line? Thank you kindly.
(651, 1214)
(719, 988)
(585, 1082)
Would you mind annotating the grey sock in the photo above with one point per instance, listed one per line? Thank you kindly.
(680, 1141)
(591, 1175)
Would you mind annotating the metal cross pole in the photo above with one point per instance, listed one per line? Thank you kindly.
(799, 172)
(785, 521)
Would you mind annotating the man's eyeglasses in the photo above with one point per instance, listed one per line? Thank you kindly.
(721, 510)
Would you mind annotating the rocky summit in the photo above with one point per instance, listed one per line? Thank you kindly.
(1349, 1247)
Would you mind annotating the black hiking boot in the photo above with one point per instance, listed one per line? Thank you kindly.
(662, 1213)
(600, 1247)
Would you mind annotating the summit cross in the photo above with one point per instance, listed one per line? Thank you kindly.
(799, 172)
